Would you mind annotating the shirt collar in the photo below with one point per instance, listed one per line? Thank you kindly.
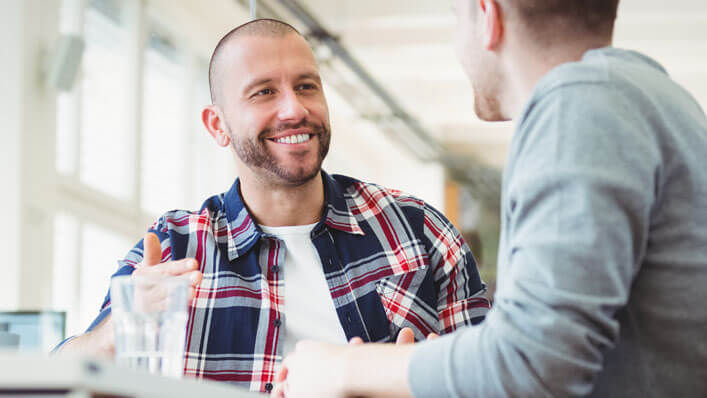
(243, 232)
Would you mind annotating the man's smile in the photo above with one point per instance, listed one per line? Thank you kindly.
(292, 139)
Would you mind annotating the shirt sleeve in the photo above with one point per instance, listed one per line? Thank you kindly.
(577, 204)
(461, 295)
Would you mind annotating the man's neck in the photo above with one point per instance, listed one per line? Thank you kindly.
(280, 205)
(536, 64)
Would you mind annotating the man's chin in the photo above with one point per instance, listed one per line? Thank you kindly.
(488, 109)
(297, 176)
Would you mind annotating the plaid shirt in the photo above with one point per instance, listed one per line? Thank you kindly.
(390, 260)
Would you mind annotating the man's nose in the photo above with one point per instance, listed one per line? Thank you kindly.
(291, 107)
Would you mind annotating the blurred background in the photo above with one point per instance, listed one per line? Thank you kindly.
(90, 159)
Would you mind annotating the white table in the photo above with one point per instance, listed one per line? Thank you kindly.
(28, 375)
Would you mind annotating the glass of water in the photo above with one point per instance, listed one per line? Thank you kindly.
(150, 317)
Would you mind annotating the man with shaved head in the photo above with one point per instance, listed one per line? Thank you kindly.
(602, 264)
(291, 252)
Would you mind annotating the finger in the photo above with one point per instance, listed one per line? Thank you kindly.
(192, 277)
(152, 251)
(406, 336)
(278, 391)
(432, 336)
(356, 341)
(174, 268)
(281, 374)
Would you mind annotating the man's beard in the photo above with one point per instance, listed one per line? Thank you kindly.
(254, 153)
(486, 81)
(487, 107)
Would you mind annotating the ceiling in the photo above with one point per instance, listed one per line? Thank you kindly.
(407, 45)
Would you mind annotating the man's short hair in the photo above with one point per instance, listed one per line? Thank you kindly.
(549, 21)
(263, 27)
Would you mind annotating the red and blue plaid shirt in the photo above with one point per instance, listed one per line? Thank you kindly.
(390, 260)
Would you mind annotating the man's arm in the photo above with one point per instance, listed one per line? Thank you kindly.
(336, 371)
(99, 341)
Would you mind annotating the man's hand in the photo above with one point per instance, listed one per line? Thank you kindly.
(151, 267)
(326, 370)
(101, 341)
(313, 370)
(407, 336)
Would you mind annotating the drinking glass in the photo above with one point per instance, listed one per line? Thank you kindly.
(150, 318)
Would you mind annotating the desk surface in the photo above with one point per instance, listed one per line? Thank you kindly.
(41, 374)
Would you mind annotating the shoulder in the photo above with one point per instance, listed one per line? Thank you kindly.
(184, 221)
(584, 122)
(368, 200)
(370, 195)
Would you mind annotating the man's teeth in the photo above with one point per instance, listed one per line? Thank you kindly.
(294, 139)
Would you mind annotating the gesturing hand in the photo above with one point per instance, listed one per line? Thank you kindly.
(151, 268)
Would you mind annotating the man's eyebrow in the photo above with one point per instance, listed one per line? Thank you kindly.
(310, 75)
(256, 83)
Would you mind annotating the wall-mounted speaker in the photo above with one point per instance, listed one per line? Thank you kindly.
(65, 62)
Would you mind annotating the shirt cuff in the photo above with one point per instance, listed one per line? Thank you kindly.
(58, 347)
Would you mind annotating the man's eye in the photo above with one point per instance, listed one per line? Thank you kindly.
(265, 91)
(306, 86)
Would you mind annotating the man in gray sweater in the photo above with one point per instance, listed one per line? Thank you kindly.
(602, 278)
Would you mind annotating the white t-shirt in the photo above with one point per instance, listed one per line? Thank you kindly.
(309, 308)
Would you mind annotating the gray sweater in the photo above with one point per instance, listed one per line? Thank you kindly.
(602, 285)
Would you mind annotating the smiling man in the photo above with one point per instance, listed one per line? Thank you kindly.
(290, 252)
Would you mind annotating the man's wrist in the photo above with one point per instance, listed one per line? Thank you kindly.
(349, 370)
(376, 369)
(105, 338)
(99, 341)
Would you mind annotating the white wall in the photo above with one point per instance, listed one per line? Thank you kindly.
(29, 32)
(10, 114)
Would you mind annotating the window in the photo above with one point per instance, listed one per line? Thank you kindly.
(106, 150)
(130, 145)
(165, 127)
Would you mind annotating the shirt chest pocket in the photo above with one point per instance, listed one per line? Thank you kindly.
(408, 295)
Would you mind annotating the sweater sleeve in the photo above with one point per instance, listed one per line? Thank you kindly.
(575, 214)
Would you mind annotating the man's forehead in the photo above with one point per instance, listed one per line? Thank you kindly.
(254, 47)
(253, 57)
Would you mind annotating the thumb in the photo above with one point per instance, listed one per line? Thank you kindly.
(356, 341)
(152, 250)
(406, 336)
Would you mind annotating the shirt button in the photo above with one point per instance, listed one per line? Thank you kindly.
(275, 269)
(277, 322)
(268, 387)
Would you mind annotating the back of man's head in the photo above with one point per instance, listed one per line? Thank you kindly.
(270, 28)
(550, 22)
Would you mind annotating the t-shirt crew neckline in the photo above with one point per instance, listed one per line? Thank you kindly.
(289, 230)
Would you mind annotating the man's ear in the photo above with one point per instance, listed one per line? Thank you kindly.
(212, 117)
(492, 24)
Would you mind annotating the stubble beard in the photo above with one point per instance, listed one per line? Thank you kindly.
(487, 107)
(254, 153)
(486, 81)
